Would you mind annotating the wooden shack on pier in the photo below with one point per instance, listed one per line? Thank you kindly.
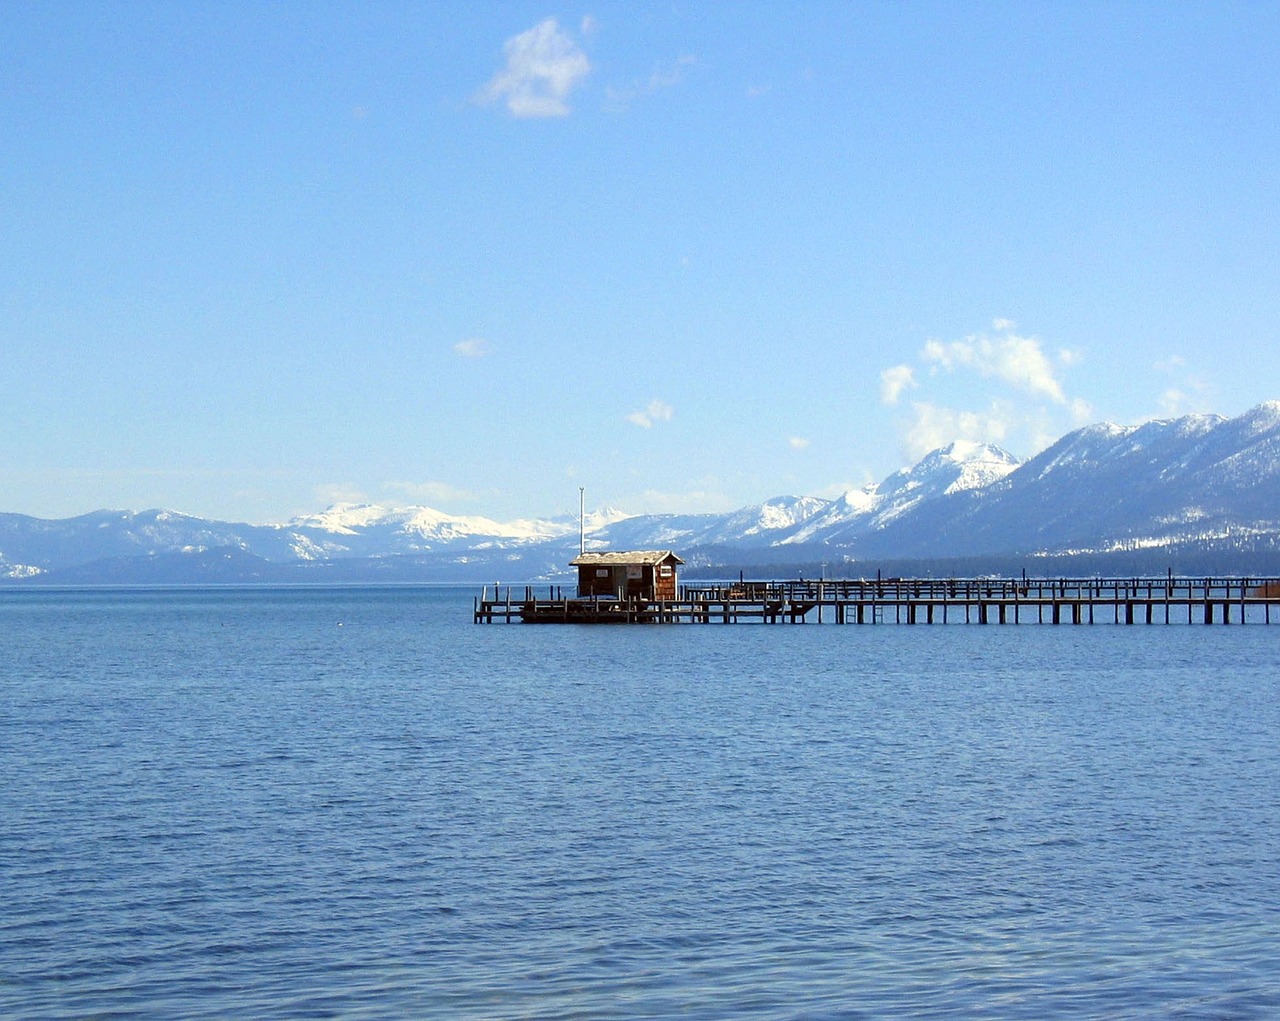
(627, 574)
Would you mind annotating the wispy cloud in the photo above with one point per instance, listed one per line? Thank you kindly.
(1018, 361)
(544, 65)
(932, 426)
(656, 410)
(672, 74)
(665, 77)
(472, 347)
(332, 493)
(1173, 402)
(1184, 392)
(895, 380)
(798, 442)
(996, 386)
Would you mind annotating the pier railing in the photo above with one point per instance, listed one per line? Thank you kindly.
(1163, 599)
(1097, 589)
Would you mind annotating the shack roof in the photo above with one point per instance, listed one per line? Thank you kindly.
(625, 558)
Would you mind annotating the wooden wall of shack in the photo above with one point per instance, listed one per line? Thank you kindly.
(628, 581)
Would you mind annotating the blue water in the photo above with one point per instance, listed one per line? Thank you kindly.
(354, 803)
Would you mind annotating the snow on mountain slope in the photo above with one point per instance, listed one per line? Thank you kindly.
(436, 525)
(342, 518)
(1163, 480)
(759, 524)
(763, 522)
(852, 506)
(1076, 448)
(956, 468)
(425, 524)
(1108, 445)
(652, 531)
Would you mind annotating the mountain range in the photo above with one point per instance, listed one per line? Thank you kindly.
(1198, 492)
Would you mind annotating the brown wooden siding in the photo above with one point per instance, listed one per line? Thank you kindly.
(653, 583)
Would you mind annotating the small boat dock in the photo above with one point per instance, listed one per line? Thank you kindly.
(910, 601)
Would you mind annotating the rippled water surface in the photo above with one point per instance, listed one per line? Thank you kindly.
(356, 803)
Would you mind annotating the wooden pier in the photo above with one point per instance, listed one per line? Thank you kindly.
(1159, 600)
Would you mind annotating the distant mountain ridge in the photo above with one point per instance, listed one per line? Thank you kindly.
(1196, 480)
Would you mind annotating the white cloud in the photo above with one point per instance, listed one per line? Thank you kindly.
(797, 442)
(1082, 412)
(472, 347)
(995, 386)
(655, 411)
(932, 427)
(893, 381)
(1018, 361)
(544, 65)
(1173, 402)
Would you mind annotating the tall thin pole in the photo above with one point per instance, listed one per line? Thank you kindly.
(582, 520)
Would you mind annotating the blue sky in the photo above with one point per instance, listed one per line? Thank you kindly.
(260, 258)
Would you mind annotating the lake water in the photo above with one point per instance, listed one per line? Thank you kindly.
(355, 803)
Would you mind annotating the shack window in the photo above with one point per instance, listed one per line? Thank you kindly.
(602, 572)
(664, 572)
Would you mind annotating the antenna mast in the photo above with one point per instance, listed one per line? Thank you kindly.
(582, 520)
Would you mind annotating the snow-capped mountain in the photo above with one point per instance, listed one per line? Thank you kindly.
(957, 468)
(763, 523)
(31, 547)
(792, 520)
(371, 530)
(1196, 477)
(1162, 484)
